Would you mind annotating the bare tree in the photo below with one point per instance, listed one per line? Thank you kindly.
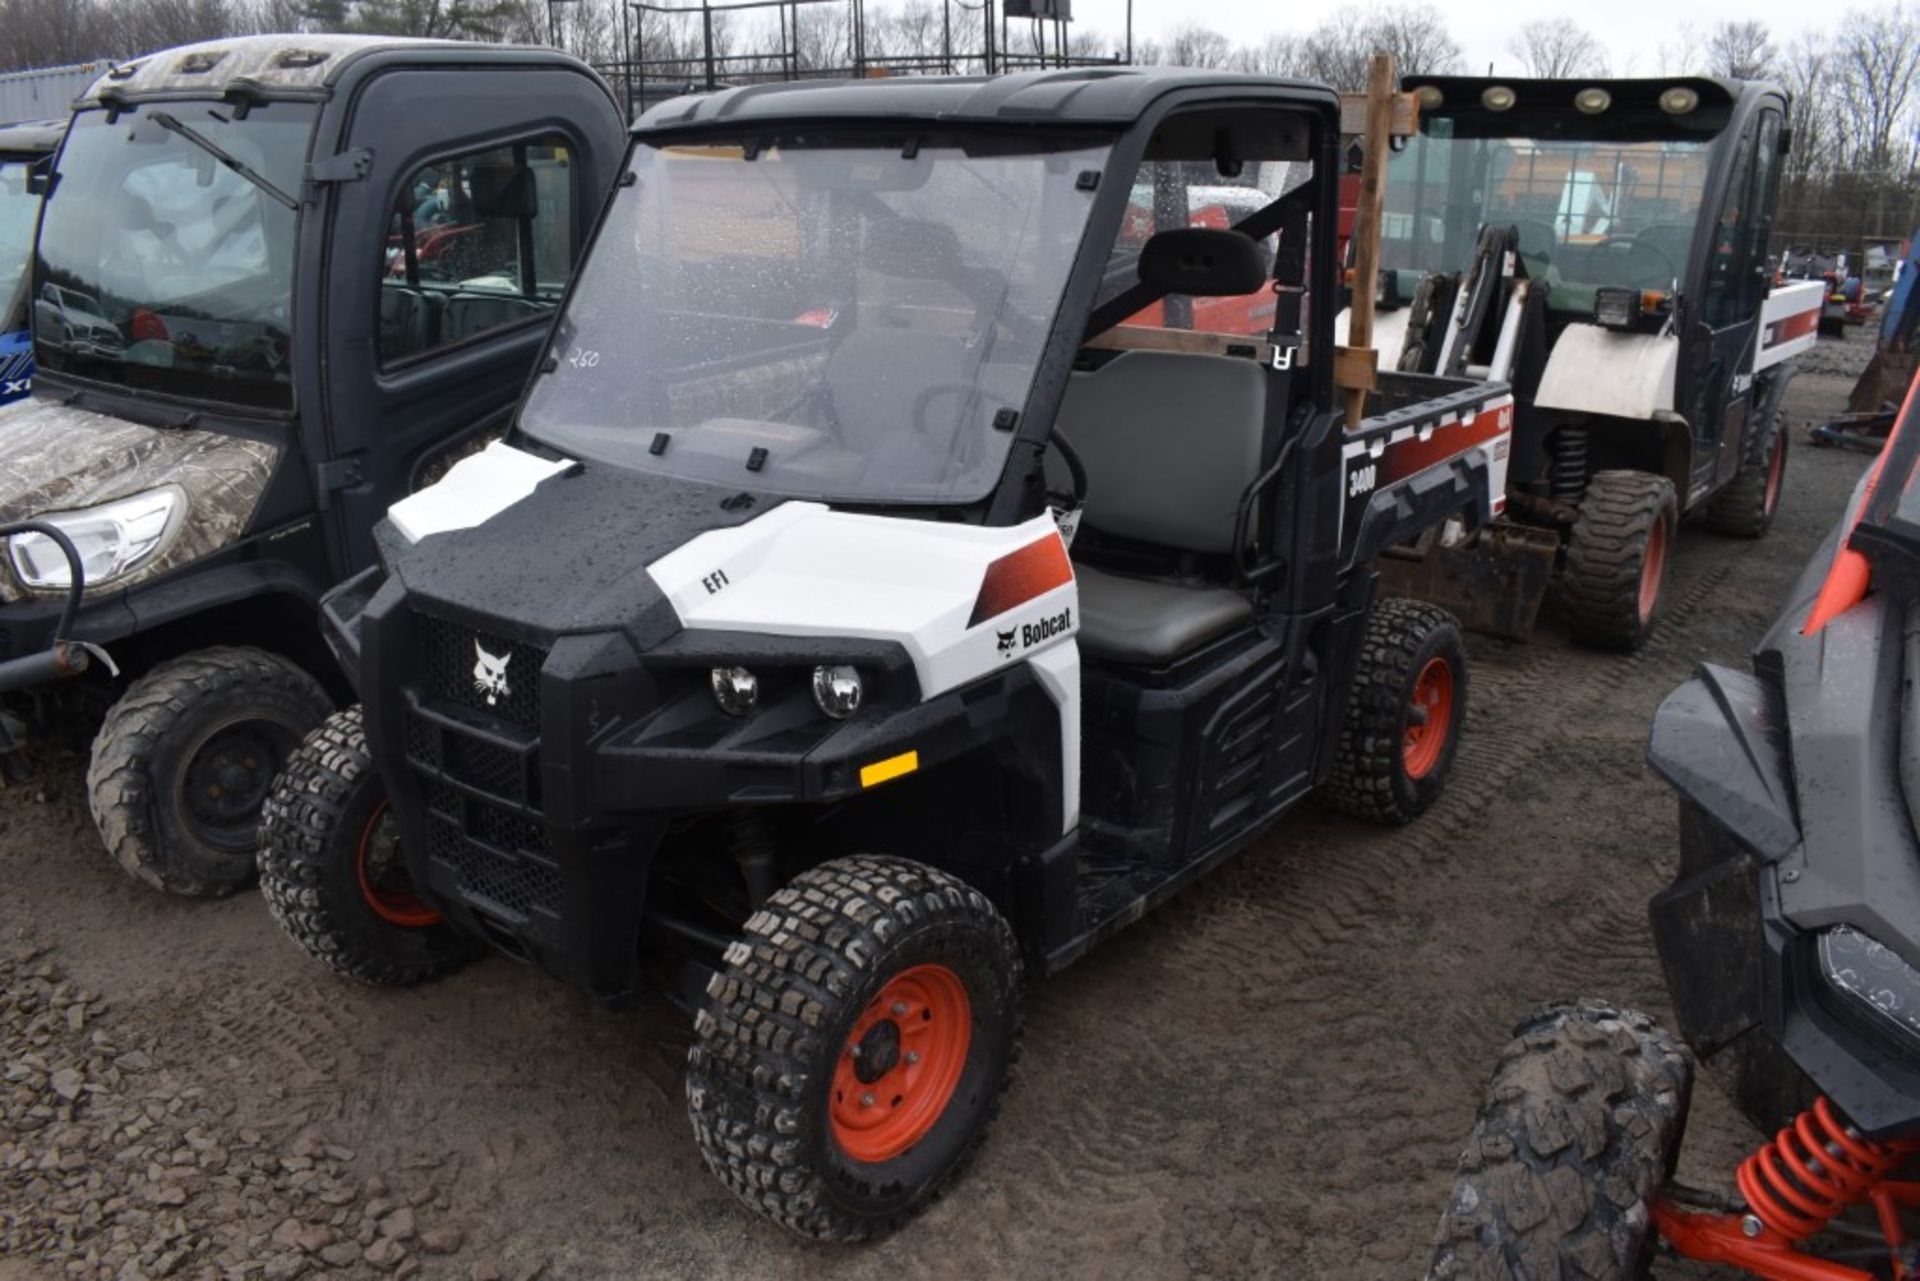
(1192, 45)
(1336, 52)
(1416, 35)
(1277, 55)
(1877, 72)
(1556, 48)
(1740, 50)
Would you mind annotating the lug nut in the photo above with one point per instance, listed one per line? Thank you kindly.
(866, 1100)
(1751, 1226)
(913, 1056)
(899, 1008)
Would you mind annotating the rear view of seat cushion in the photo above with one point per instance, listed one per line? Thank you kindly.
(1138, 620)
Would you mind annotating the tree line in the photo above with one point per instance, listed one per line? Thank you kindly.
(1854, 168)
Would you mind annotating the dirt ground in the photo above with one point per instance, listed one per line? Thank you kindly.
(1270, 1076)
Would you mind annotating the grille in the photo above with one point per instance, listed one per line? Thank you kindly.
(451, 662)
(516, 883)
(475, 761)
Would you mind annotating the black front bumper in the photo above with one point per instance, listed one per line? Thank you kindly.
(1732, 959)
(534, 815)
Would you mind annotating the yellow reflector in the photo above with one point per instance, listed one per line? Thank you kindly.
(892, 767)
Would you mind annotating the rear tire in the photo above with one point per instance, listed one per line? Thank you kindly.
(1619, 559)
(829, 1143)
(185, 759)
(1746, 507)
(1578, 1130)
(331, 870)
(1405, 709)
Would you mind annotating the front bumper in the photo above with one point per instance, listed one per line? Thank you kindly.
(1733, 959)
(534, 803)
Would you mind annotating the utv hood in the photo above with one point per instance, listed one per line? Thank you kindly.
(56, 458)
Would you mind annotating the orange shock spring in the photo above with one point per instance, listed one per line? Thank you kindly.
(1812, 1170)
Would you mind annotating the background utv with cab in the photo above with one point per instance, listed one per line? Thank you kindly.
(753, 666)
(255, 330)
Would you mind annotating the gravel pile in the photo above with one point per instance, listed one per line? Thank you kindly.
(115, 1165)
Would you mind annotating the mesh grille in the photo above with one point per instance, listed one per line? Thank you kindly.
(516, 883)
(452, 664)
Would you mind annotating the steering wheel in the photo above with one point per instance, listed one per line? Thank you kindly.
(924, 401)
(1632, 247)
(1067, 501)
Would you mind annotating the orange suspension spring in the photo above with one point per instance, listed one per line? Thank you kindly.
(1812, 1170)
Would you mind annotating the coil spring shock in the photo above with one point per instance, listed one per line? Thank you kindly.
(1812, 1170)
(1568, 473)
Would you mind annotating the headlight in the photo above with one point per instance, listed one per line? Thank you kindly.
(1616, 308)
(1592, 101)
(112, 539)
(735, 689)
(1498, 98)
(837, 691)
(1880, 983)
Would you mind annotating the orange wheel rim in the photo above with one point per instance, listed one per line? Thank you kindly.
(1653, 569)
(1776, 470)
(900, 1064)
(384, 882)
(1429, 718)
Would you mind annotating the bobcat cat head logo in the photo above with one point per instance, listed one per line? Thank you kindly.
(490, 674)
(1005, 638)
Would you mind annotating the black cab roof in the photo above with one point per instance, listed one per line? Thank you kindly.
(1109, 96)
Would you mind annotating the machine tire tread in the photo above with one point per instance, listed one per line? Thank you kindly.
(1577, 1132)
(797, 961)
(1601, 587)
(299, 858)
(1368, 780)
(120, 786)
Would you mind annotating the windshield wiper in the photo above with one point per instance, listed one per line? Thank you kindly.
(225, 157)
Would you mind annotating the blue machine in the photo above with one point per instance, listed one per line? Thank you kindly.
(26, 151)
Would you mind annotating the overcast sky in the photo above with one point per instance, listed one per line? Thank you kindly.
(1634, 31)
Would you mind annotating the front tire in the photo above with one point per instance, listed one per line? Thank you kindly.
(332, 872)
(1618, 558)
(855, 1045)
(185, 759)
(1405, 708)
(1578, 1130)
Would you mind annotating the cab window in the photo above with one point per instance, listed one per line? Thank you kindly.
(476, 243)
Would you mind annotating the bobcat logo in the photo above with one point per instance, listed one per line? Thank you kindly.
(1006, 639)
(490, 674)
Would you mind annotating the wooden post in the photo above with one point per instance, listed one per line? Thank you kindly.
(1355, 366)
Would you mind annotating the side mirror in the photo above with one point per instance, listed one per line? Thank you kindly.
(1202, 262)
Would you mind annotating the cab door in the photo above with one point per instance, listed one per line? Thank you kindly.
(447, 263)
(1717, 367)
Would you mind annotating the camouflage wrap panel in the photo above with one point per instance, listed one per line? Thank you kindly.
(290, 63)
(55, 458)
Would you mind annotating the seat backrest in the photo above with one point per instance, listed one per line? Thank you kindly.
(1170, 442)
(470, 314)
(876, 376)
(409, 319)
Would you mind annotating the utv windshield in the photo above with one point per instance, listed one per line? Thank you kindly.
(1592, 212)
(838, 316)
(166, 257)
